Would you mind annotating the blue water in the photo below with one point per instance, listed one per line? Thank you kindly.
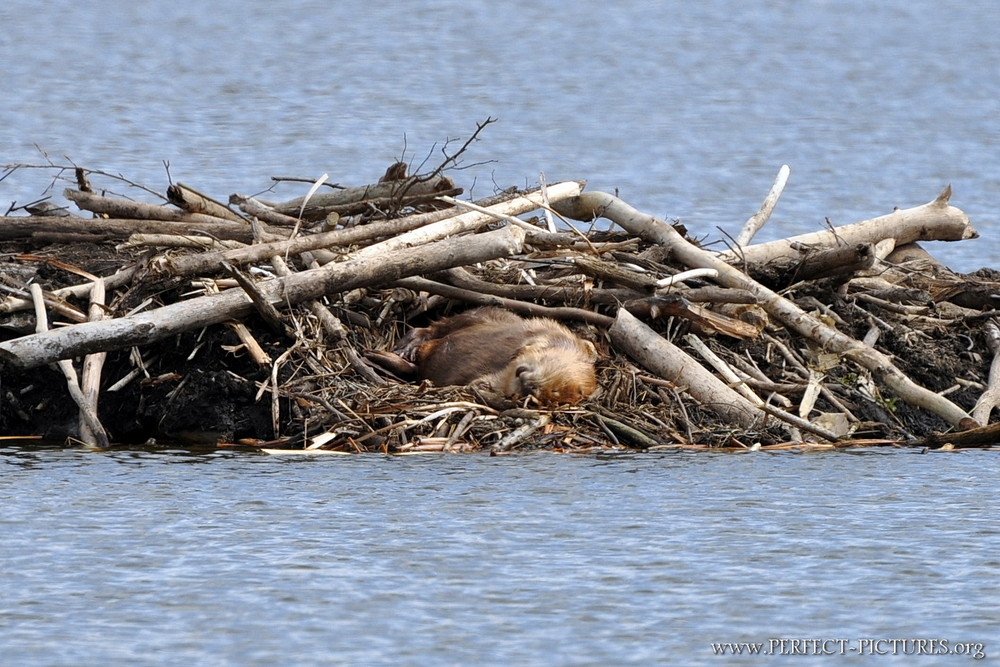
(137, 558)
(688, 110)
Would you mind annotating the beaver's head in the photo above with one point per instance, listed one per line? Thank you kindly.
(553, 375)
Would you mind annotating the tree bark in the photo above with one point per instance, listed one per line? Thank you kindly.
(591, 205)
(355, 200)
(150, 326)
(126, 208)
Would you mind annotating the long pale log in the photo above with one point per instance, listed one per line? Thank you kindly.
(933, 221)
(126, 208)
(317, 206)
(122, 228)
(591, 205)
(153, 325)
(471, 221)
(211, 261)
(660, 356)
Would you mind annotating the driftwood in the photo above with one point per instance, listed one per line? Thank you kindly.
(592, 205)
(694, 348)
(193, 201)
(933, 221)
(671, 363)
(389, 194)
(145, 328)
(105, 229)
(94, 432)
(124, 208)
(422, 226)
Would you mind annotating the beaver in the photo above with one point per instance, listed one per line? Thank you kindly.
(499, 351)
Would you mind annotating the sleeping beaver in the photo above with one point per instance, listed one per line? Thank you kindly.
(499, 351)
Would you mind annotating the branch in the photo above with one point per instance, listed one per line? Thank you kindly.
(590, 205)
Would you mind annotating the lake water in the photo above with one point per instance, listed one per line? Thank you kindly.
(688, 110)
(138, 558)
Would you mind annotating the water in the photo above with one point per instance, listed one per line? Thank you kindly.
(688, 109)
(138, 558)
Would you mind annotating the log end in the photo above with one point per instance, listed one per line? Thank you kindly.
(944, 197)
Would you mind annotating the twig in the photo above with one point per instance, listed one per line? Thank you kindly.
(758, 219)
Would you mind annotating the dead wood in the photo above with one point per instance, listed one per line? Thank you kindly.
(262, 211)
(591, 205)
(193, 201)
(212, 261)
(990, 398)
(147, 327)
(662, 357)
(113, 229)
(933, 221)
(93, 430)
(385, 196)
(839, 262)
(125, 208)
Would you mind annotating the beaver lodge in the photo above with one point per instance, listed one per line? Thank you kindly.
(268, 324)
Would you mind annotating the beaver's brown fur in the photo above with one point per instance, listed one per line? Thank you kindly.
(504, 353)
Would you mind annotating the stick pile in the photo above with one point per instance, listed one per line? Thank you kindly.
(249, 322)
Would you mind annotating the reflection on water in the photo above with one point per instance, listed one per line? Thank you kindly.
(541, 558)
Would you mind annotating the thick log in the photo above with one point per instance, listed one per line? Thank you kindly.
(933, 221)
(591, 205)
(660, 356)
(347, 201)
(840, 262)
(153, 325)
(193, 201)
(126, 208)
(211, 261)
(121, 228)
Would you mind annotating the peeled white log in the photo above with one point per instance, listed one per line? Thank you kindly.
(591, 205)
(153, 325)
(471, 221)
(660, 356)
(933, 221)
